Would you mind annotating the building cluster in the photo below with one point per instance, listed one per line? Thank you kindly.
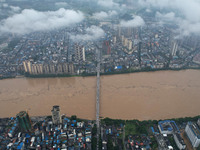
(40, 133)
(150, 46)
(146, 48)
(139, 142)
(60, 132)
(128, 39)
(39, 68)
(168, 129)
(111, 134)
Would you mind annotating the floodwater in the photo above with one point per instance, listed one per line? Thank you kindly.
(143, 96)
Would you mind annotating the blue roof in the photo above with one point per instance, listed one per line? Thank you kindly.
(119, 67)
(168, 121)
(152, 129)
(20, 145)
(27, 135)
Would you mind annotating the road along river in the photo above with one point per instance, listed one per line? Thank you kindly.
(143, 96)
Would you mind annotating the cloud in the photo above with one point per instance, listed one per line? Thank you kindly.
(108, 3)
(61, 4)
(135, 22)
(104, 15)
(30, 20)
(5, 5)
(188, 13)
(187, 28)
(91, 34)
(12, 8)
(166, 17)
(15, 8)
(148, 10)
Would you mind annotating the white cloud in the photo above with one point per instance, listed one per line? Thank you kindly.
(166, 17)
(148, 10)
(30, 20)
(135, 22)
(186, 28)
(91, 34)
(5, 5)
(188, 9)
(108, 3)
(9, 7)
(104, 15)
(15, 8)
(61, 4)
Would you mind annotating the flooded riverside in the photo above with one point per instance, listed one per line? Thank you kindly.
(143, 96)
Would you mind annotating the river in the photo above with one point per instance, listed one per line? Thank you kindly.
(143, 96)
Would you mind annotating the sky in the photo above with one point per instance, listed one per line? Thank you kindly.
(184, 13)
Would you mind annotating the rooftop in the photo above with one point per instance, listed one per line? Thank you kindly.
(194, 128)
(21, 114)
(168, 125)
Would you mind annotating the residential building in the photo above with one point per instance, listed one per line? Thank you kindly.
(24, 121)
(79, 53)
(46, 69)
(65, 68)
(198, 122)
(179, 141)
(193, 133)
(168, 127)
(27, 66)
(71, 68)
(56, 115)
(40, 68)
(52, 69)
(174, 48)
(130, 44)
(34, 69)
(59, 69)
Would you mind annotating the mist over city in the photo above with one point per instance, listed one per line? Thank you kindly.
(99, 74)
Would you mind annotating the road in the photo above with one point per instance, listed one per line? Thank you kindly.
(124, 135)
(98, 96)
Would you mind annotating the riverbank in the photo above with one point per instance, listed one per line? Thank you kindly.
(110, 121)
(118, 72)
(109, 73)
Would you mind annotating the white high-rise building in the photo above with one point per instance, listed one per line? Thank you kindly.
(79, 53)
(174, 48)
(179, 141)
(193, 133)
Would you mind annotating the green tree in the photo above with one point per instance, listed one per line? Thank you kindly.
(110, 144)
(73, 117)
(94, 130)
(94, 143)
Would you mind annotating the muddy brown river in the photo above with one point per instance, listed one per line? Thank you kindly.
(143, 96)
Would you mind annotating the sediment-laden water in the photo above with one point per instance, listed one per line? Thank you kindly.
(143, 96)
